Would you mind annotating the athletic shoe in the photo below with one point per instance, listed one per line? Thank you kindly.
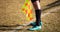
(36, 27)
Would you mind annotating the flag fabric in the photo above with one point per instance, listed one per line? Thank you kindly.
(27, 10)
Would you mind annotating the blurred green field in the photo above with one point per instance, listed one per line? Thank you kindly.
(9, 16)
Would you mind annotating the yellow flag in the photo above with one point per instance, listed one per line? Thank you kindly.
(27, 9)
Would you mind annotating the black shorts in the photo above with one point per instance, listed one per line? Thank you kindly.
(34, 0)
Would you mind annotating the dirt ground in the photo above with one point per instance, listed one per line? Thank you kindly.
(9, 16)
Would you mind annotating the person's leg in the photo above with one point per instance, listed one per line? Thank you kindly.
(37, 8)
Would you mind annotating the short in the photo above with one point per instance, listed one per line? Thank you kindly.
(34, 0)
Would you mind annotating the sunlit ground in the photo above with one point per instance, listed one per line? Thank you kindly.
(9, 16)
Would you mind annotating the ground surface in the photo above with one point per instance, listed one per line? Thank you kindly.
(50, 17)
